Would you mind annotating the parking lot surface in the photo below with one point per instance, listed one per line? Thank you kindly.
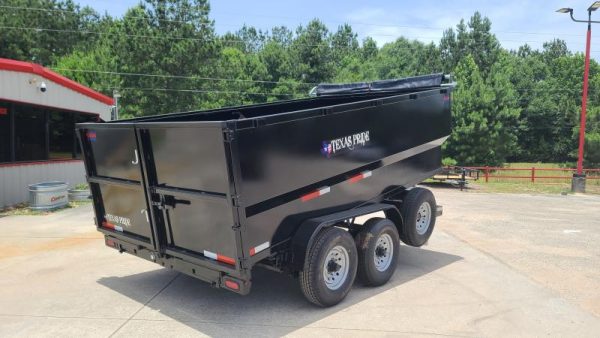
(496, 265)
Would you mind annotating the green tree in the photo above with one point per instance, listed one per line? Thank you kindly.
(172, 40)
(44, 30)
(311, 54)
(475, 39)
(483, 116)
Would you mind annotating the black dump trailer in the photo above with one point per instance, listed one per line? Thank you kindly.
(214, 193)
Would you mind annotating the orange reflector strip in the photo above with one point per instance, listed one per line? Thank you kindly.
(225, 259)
(315, 194)
(232, 285)
(360, 176)
(112, 226)
(310, 196)
(218, 257)
(356, 178)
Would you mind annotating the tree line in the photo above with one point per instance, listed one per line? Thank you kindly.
(164, 56)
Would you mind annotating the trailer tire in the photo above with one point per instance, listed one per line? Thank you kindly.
(418, 210)
(377, 246)
(329, 268)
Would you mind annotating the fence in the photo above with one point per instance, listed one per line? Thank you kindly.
(532, 174)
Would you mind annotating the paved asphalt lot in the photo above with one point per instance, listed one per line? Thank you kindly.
(496, 265)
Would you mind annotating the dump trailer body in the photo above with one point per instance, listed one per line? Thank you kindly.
(212, 193)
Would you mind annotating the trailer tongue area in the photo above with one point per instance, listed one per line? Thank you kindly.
(214, 193)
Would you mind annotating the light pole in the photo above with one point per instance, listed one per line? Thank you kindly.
(578, 181)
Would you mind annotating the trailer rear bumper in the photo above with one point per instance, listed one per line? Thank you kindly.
(216, 278)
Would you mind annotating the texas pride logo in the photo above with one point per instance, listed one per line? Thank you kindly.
(344, 144)
(326, 148)
(91, 136)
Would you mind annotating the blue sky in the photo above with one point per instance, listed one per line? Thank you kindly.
(515, 22)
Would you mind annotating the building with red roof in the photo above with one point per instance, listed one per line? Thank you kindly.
(38, 112)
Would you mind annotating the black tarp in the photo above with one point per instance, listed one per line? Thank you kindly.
(405, 84)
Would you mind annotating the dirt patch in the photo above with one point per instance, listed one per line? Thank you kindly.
(23, 248)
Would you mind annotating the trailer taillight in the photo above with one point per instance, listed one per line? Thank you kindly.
(232, 285)
(110, 242)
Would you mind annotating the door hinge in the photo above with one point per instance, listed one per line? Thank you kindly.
(235, 200)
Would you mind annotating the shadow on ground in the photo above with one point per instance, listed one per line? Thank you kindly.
(274, 307)
(446, 185)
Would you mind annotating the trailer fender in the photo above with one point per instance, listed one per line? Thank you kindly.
(306, 233)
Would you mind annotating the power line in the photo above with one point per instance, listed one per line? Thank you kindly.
(294, 93)
(203, 91)
(294, 18)
(39, 29)
(372, 34)
(193, 77)
(54, 10)
(188, 77)
(404, 26)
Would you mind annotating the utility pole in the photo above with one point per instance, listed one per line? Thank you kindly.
(116, 97)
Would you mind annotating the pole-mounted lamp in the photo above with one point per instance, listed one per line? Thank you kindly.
(578, 181)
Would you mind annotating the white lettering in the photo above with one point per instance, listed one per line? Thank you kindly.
(118, 219)
(350, 141)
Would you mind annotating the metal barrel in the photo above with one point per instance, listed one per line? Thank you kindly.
(48, 195)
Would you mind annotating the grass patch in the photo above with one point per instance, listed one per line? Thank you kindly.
(560, 184)
(532, 188)
(521, 188)
(23, 209)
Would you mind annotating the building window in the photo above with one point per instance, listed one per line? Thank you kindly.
(62, 133)
(31, 133)
(5, 132)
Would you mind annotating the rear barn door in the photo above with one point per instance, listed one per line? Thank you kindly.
(189, 181)
(116, 178)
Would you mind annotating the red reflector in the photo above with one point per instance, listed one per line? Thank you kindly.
(232, 285)
(320, 192)
(252, 252)
(356, 178)
(360, 176)
(110, 242)
(225, 259)
(310, 196)
(3, 111)
(112, 226)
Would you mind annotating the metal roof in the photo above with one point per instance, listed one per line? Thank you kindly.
(32, 68)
